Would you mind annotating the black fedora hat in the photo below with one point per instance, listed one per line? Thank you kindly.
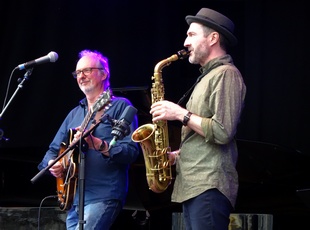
(216, 21)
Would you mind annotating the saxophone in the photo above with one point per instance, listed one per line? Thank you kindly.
(153, 138)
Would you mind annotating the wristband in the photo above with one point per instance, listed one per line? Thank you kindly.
(102, 146)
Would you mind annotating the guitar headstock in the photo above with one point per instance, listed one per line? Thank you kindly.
(103, 101)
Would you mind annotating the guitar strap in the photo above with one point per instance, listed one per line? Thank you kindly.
(96, 118)
(98, 115)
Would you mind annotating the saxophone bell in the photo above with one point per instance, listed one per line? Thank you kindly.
(158, 170)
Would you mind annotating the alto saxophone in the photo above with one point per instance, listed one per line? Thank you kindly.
(153, 138)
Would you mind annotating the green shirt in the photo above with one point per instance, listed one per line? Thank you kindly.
(210, 162)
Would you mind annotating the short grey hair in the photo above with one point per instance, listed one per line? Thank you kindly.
(104, 62)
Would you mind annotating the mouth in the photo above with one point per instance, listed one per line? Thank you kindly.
(83, 82)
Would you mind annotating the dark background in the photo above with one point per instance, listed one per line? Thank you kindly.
(272, 54)
(135, 35)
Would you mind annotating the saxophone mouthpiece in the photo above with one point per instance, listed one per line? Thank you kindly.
(183, 54)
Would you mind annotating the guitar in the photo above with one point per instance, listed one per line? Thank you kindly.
(66, 185)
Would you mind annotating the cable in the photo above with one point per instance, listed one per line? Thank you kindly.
(7, 90)
(52, 196)
(139, 221)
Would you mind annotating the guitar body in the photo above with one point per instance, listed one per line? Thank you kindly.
(66, 185)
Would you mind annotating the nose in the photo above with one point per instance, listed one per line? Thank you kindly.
(186, 42)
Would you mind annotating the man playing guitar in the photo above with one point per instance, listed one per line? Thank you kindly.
(106, 169)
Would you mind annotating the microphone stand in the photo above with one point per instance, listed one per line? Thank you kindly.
(20, 85)
(82, 148)
(81, 189)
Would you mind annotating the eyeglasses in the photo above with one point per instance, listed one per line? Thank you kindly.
(85, 71)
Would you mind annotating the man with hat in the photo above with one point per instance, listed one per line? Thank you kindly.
(206, 178)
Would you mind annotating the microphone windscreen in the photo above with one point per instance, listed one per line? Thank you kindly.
(129, 114)
(53, 56)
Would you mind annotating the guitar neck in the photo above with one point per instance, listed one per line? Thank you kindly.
(86, 120)
(99, 104)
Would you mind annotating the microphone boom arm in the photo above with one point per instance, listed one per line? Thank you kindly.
(70, 147)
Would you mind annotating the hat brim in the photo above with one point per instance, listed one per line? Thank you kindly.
(230, 37)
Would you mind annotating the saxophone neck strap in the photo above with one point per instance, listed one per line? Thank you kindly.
(197, 81)
(186, 137)
(188, 92)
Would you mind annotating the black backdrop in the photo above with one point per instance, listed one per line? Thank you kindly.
(135, 35)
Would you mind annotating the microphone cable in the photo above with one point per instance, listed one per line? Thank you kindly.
(7, 90)
(39, 212)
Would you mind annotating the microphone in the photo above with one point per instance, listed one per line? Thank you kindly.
(50, 57)
(121, 127)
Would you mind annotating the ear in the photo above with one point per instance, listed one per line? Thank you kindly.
(214, 37)
(103, 75)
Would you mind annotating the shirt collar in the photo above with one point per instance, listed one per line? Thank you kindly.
(226, 59)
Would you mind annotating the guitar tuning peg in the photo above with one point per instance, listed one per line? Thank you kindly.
(107, 107)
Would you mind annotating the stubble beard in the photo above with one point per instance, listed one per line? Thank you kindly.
(87, 89)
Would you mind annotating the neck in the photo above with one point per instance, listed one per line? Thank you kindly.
(92, 98)
(214, 54)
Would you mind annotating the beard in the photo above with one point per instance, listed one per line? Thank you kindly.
(198, 55)
(86, 88)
